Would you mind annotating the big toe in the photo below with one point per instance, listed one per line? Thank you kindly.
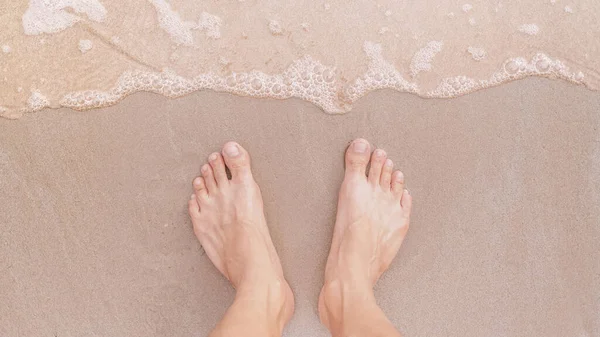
(238, 161)
(357, 157)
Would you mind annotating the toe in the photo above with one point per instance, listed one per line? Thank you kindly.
(397, 183)
(386, 175)
(357, 157)
(218, 166)
(237, 160)
(209, 178)
(377, 161)
(199, 187)
(193, 207)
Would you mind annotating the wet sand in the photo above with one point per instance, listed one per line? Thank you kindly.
(96, 241)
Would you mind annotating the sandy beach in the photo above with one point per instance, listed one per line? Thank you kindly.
(95, 239)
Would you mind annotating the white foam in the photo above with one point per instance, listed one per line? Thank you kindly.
(380, 75)
(467, 7)
(477, 53)
(388, 13)
(529, 29)
(421, 61)
(170, 21)
(51, 16)
(6, 49)
(568, 9)
(305, 78)
(85, 46)
(210, 24)
(472, 21)
(512, 69)
(37, 101)
(275, 27)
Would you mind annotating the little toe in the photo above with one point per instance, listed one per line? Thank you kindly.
(357, 157)
(397, 183)
(193, 207)
(218, 165)
(237, 160)
(200, 187)
(377, 162)
(386, 175)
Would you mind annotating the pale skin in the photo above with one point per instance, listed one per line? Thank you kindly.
(372, 220)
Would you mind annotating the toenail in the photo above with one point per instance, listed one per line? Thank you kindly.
(379, 153)
(231, 150)
(400, 177)
(205, 168)
(389, 163)
(212, 157)
(407, 191)
(359, 147)
(192, 197)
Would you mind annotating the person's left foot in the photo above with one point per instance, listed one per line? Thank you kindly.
(229, 222)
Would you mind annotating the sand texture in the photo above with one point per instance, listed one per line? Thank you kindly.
(95, 239)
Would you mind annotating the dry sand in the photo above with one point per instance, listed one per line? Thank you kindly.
(95, 239)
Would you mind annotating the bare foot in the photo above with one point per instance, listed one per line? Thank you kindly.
(372, 219)
(230, 224)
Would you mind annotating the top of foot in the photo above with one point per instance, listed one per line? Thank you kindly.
(229, 222)
(372, 216)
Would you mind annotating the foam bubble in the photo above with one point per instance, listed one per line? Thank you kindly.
(37, 101)
(568, 9)
(472, 21)
(380, 75)
(477, 53)
(275, 27)
(51, 16)
(466, 7)
(85, 46)
(529, 29)
(6, 49)
(421, 61)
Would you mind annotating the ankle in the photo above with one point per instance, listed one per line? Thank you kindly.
(341, 299)
(273, 298)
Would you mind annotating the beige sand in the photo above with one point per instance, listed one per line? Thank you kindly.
(95, 239)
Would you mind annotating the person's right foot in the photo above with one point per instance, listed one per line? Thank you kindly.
(372, 219)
